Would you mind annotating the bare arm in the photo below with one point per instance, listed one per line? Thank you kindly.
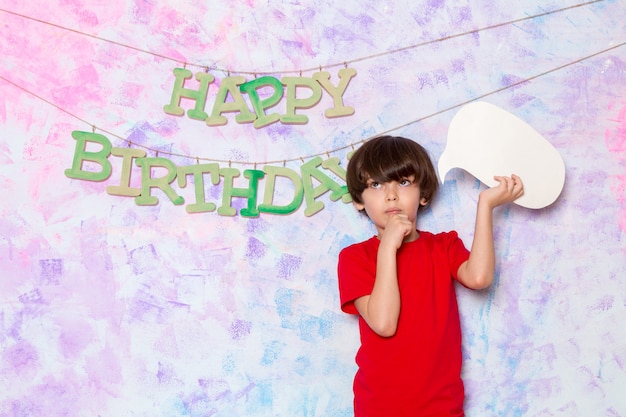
(477, 272)
(381, 308)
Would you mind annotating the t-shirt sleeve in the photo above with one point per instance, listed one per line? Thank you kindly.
(457, 253)
(356, 277)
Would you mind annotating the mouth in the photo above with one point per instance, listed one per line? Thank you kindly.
(393, 211)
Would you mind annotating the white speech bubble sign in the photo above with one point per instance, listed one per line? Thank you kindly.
(485, 140)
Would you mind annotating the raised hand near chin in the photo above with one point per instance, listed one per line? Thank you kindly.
(398, 227)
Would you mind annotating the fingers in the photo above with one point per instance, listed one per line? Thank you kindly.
(518, 186)
(512, 181)
(512, 187)
(398, 227)
(402, 222)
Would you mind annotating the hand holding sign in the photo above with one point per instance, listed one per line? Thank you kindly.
(486, 141)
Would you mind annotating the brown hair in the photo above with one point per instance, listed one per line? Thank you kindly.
(391, 158)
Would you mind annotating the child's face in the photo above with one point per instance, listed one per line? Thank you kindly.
(383, 200)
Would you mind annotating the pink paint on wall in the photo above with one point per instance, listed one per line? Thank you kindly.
(615, 137)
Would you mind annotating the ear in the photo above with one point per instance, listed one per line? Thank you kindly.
(423, 201)
(359, 206)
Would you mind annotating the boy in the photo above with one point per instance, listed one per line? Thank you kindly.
(400, 283)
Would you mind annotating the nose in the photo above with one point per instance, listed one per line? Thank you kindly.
(391, 193)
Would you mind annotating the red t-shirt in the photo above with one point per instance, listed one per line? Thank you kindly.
(416, 372)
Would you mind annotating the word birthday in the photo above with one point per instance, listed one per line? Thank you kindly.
(235, 88)
(302, 184)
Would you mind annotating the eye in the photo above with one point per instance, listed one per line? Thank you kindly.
(373, 184)
(406, 182)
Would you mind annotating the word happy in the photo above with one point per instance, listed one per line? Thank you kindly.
(302, 183)
(234, 88)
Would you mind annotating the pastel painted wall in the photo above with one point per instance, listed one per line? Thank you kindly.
(111, 308)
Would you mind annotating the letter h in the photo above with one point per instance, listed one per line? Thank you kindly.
(198, 113)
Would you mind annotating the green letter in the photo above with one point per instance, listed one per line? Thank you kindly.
(323, 77)
(292, 83)
(230, 85)
(198, 178)
(332, 164)
(229, 192)
(199, 96)
(147, 182)
(259, 105)
(309, 170)
(272, 172)
(124, 189)
(81, 155)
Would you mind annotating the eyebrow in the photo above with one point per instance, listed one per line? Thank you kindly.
(402, 178)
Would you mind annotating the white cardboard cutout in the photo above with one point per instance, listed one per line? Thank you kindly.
(486, 140)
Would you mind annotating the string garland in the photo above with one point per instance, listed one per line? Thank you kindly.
(327, 152)
(284, 161)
